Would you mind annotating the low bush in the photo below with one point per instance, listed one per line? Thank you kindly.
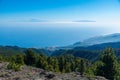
(14, 66)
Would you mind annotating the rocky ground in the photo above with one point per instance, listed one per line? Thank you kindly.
(31, 73)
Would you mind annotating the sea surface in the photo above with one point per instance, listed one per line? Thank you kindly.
(46, 36)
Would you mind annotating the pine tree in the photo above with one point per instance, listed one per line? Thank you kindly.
(110, 68)
(82, 67)
(30, 57)
(62, 63)
(77, 64)
(19, 59)
(1, 58)
(42, 62)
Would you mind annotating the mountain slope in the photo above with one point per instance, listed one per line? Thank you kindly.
(32, 73)
(99, 40)
(90, 52)
(114, 45)
(12, 50)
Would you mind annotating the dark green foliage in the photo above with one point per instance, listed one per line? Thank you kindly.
(69, 63)
(110, 66)
(1, 58)
(53, 64)
(96, 67)
(91, 53)
(13, 50)
(19, 59)
(14, 66)
(77, 64)
(30, 57)
(87, 54)
(61, 63)
(65, 63)
(42, 62)
(82, 67)
(107, 66)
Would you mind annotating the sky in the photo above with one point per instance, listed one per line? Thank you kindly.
(41, 23)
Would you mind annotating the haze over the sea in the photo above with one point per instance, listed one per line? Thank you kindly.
(41, 23)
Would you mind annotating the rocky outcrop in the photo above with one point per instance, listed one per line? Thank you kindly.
(31, 73)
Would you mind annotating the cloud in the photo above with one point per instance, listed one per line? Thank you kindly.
(84, 21)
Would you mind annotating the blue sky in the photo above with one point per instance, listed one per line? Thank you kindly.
(101, 11)
(48, 20)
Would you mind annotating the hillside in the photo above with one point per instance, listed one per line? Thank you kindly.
(32, 73)
(65, 66)
(98, 40)
(11, 50)
(90, 52)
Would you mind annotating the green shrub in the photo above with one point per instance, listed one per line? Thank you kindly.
(14, 66)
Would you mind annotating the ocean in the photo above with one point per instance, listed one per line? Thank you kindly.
(46, 36)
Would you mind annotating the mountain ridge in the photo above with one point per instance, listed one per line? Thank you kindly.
(98, 40)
